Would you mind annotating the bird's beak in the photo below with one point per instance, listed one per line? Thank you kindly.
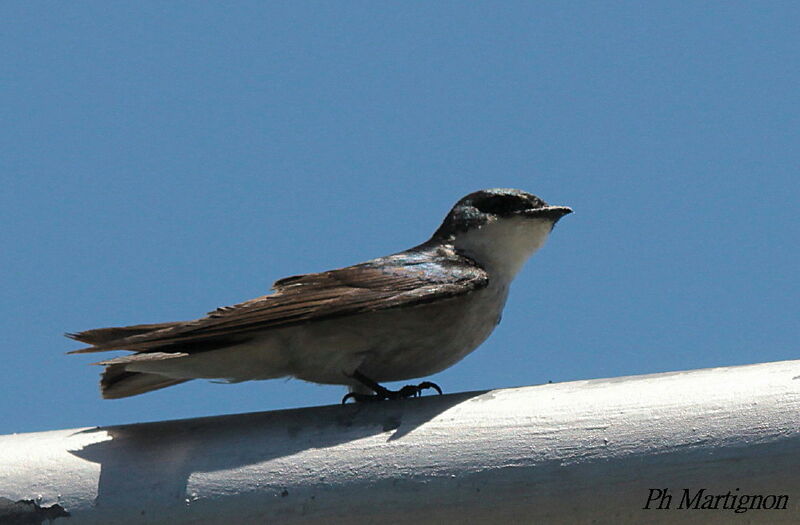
(548, 212)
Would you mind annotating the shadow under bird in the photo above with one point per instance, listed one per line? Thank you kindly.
(393, 318)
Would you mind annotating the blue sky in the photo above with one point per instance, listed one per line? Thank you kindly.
(160, 160)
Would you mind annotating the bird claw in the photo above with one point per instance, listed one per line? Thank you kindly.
(417, 390)
(404, 393)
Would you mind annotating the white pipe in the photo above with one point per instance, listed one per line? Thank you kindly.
(578, 452)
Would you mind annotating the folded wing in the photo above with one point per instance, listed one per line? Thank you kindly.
(377, 285)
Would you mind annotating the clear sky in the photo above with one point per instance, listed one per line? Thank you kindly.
(162, 159)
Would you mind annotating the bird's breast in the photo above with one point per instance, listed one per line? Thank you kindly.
(423, 340)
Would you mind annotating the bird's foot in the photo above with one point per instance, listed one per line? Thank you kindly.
(382, 393)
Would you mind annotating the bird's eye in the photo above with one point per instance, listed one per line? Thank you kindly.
(501, 204)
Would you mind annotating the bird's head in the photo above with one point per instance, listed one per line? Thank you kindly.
(499, 228)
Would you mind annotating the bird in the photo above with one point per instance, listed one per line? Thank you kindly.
(394, 318)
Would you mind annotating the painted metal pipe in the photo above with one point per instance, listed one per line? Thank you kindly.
(624, 450)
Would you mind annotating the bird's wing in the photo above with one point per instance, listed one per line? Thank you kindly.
(362, 288)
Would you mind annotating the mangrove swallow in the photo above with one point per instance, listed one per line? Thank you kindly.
(393, 318)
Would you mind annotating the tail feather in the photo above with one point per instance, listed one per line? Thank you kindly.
(116, 382)
(106, 336)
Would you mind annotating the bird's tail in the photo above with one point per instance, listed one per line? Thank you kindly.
(116, 382)
(103, 339)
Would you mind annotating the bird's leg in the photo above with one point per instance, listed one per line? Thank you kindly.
(382, 393)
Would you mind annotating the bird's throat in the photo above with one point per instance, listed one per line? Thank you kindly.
(503, 246)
